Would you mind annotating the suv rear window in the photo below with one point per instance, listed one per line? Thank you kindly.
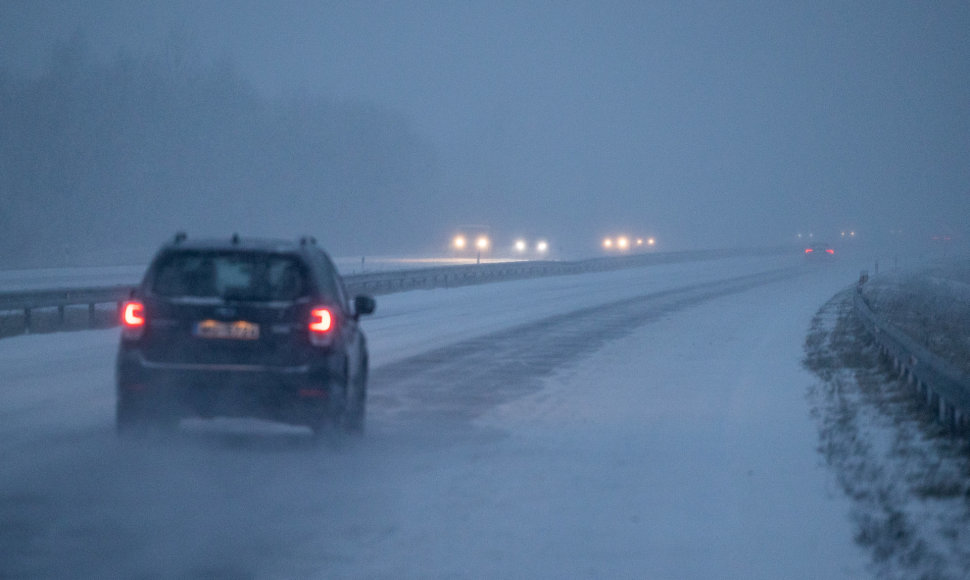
(245, 276)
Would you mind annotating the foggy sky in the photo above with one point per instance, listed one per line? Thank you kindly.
(706, 124)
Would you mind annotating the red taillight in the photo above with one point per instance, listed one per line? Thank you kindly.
(321, 326)
(809, 250)
(133, 314)
(320, 320)
(829, 251)
(132, 319)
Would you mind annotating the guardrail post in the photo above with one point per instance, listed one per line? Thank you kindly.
(91, 320)
(26, 320)
(949, 413)
(959, 420)
(943, 389)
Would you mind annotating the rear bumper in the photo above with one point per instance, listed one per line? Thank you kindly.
(222, 368)
(293, 394)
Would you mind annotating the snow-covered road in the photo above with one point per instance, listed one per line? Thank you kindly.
(643, 423)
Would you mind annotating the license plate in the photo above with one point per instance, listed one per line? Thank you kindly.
(238, 330)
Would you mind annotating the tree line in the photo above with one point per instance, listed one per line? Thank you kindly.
(99, 160)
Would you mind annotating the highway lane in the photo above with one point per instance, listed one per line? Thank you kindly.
(244, 499)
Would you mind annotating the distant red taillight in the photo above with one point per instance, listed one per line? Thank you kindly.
(829, 251)
(321, 326)
(809, 250)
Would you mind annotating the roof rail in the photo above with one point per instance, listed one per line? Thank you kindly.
(305, 240)
(180, 237)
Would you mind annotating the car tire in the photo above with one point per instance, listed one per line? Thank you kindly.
(355, 410)
(331, 419)
(347, 409)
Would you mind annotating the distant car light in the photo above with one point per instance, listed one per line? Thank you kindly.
(542, 247)
(520, 245)
(820, 250)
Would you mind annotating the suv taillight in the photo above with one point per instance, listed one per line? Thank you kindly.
(321, 326)
(132, 319)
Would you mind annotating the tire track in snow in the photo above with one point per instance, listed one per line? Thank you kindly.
(457, 383)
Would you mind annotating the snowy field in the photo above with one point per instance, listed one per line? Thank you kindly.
(642, 423)
(931, 305)
(94, 276)
(57, 278)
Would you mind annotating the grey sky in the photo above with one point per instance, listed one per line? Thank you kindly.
(704, 123)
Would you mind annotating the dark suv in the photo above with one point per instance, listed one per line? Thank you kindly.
(242, 328)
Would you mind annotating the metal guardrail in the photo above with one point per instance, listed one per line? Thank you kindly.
(452, 276)
(945, 389)
(46, 310)
(449, 276)
(54, 305)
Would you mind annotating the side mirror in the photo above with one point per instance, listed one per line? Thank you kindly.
(364, 304)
